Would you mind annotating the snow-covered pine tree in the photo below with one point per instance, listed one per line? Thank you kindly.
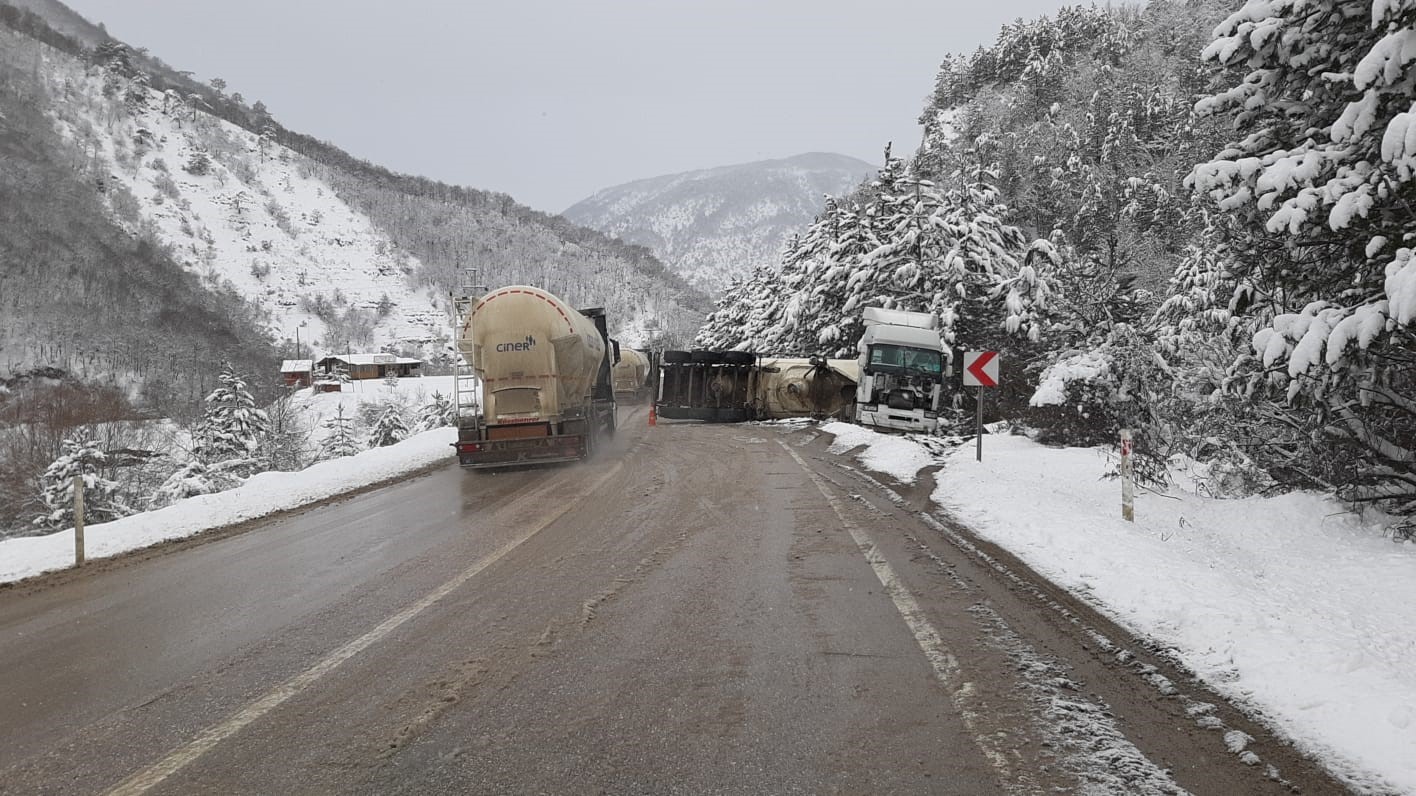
(747, 315)
(390, 427)
(437, 413)
(1323, 175)
(286, 444)
(340, 441)
(813, 314)
(232, 426)
(103, 499)
(195, 478)
(725, 327)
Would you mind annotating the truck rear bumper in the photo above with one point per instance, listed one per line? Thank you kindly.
(512, 452)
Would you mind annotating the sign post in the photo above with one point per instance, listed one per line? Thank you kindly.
(1128, 479)
(980, 370)
(78, 520)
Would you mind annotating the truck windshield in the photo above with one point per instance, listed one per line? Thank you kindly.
(904, 358)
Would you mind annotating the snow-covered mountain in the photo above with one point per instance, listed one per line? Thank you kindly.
(319, 245)
(716, 224)
(245, 212)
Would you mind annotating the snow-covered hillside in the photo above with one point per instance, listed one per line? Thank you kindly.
(237, 209)
(716, 224)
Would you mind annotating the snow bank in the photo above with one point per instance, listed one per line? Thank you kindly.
(1052, 389)
(259, 496)
(1289, 605)
(899, 457)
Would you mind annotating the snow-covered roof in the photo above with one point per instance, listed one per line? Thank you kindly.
(297, 366)
(878, 315)
(902, 335)
(371, 359)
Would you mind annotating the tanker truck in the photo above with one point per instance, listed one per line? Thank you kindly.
(631, 375)
(544, 370)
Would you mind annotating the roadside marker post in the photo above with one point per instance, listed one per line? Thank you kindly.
(1128, 479)
(78, 520)
(980, 370)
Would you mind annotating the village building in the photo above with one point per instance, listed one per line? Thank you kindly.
(368, 366)
(297, 372)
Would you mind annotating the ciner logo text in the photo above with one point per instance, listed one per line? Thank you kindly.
(525, 345)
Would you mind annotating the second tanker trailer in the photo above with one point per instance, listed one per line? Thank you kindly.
(544, 370)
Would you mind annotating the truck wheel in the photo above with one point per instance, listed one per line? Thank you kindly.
(706, 357)
(675, 357)
(739, 357)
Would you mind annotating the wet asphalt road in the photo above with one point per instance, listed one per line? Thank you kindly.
(701, 609)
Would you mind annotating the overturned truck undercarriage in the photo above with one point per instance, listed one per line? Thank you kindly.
(735, 386)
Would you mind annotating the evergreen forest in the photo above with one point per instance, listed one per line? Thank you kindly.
(1191, 219)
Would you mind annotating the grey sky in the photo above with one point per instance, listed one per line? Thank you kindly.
(552, 100)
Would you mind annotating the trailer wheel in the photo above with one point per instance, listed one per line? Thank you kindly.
(675, 357)
(739, 357)
(706, 357)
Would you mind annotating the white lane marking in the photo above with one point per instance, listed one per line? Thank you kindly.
(962, 693)
(152, 776)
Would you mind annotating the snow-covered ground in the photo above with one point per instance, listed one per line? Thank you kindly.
(1291, 606)
(412, 393)
(259, 496)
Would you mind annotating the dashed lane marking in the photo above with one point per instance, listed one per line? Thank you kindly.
(155, 774)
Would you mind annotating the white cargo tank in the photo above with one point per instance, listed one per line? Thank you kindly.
(631, 372)
(537, 358)
(805, 388)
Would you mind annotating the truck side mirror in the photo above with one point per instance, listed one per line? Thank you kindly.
(616, 345)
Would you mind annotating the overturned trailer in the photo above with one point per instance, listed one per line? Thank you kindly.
(734, 386)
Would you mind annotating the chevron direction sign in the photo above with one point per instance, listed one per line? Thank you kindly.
(981, 369)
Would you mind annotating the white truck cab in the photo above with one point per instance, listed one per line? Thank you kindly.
(902, 367)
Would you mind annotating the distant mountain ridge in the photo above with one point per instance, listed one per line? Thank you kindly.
(712, 225)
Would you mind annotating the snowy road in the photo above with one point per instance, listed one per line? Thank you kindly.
(703, 609)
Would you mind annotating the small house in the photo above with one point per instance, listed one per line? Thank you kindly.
(297, 372)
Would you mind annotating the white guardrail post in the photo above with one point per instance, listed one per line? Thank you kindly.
(78, 520)
(1128, 478)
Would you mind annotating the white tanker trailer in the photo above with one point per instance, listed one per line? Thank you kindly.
(631, 375)
(547, 393)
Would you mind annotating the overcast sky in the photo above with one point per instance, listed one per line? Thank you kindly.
(552, 100)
